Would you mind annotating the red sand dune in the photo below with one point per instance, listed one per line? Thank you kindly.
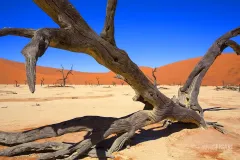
(226, 68)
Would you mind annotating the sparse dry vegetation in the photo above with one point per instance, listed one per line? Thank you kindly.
(63, 80)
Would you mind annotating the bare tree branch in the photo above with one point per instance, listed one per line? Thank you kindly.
(64, 14)
(108, 30)
(69, 72)
(234, 46)
(34, 147)
(86, 123)
(32, 51)
(40, 41)
(109, 125)
(64, 78)
(81, 39)
(188, 94)
(28, 33)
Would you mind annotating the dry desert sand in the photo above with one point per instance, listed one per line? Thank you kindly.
(24, 110)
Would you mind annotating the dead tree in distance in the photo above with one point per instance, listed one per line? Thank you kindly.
(98, 82)
(16, 83)
(154, 77)
(65, 77)
(75, 35)
(42, 81)
(154, 80)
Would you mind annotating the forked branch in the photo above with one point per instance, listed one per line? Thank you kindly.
(40, 41)
(188, 94)
(75, 35)
(65, 77)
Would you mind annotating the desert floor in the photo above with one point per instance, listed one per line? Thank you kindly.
(24, 110)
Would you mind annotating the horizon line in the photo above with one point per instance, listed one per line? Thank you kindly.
(109, 69)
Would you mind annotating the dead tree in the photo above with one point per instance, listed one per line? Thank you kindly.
(154, 77)
(154, 80)
(64, 77)
(42, 81)
(98, 82)
(75, 35)
(16, 83)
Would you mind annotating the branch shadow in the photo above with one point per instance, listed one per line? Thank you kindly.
(144, 136)
(101, 124)
(160, 132)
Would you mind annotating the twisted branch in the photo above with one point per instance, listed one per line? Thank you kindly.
(188, 94)
(234, 46)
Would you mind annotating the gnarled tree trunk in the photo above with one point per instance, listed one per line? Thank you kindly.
(75, 35)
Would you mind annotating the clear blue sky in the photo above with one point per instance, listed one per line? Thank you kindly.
(153, 32)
